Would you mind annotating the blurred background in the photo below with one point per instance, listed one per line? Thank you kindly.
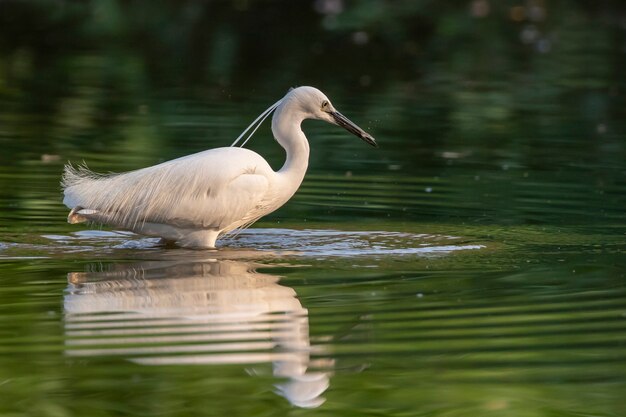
(471, 85)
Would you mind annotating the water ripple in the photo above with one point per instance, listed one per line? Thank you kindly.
(307, 242)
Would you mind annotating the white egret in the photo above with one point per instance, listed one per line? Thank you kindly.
(193, 200)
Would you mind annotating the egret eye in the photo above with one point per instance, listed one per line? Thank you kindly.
(324, 104)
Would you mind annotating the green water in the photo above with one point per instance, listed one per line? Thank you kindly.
(473, 265)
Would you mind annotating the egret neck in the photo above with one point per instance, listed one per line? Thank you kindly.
(286, 127)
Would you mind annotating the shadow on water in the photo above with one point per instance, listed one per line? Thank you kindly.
(207, 312)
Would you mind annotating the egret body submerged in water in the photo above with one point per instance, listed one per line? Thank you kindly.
(193, 200)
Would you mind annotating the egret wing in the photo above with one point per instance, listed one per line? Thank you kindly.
(211, 189)
(242, 200)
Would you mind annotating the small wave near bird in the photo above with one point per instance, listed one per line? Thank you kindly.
(193, 200)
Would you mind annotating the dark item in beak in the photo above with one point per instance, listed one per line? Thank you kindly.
(344, 122)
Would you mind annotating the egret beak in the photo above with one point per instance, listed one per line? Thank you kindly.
(344, 122)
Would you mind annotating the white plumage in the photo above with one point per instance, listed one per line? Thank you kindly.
(194, 199)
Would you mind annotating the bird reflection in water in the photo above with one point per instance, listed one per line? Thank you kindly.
(199, 312)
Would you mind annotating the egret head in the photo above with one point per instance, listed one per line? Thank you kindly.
(315, 105)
